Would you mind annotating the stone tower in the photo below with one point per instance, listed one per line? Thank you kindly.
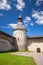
(20, 34)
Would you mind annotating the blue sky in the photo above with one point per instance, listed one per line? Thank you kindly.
(30, 10)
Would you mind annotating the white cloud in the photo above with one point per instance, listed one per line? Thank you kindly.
(38, 2)
(31, 24)
(5, 26)
(20, 5)
(38, 16)
(41, 12)
(4, 5)
(1, 14)
(40, 21)
(12, 25)
(27, 18)
(25, 24)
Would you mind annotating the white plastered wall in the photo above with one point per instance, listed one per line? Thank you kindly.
(33, 44)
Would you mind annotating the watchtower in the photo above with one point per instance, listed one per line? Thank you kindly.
(20, 34)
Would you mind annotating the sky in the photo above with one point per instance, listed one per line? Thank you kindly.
(31, 12)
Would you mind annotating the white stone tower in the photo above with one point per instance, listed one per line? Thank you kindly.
(20, 34)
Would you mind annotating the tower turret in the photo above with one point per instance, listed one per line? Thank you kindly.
(20, 34)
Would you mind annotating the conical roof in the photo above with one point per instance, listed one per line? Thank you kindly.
(19, 24)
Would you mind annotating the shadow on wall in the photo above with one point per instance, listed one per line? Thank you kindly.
(6, 46)
(15, 46)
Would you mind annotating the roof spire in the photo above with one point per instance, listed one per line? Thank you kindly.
(19, 18)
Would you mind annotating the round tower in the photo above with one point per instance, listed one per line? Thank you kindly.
(20, 34)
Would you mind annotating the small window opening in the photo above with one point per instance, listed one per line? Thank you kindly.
(18, 39)
(38, 50)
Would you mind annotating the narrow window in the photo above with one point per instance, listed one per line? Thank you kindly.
(18, 39)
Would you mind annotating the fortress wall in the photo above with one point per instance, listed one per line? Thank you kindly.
(33, 44)
(5, 43)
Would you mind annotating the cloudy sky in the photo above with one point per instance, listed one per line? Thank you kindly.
(31, 12)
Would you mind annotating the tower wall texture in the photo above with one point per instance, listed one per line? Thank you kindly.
(20, 36)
